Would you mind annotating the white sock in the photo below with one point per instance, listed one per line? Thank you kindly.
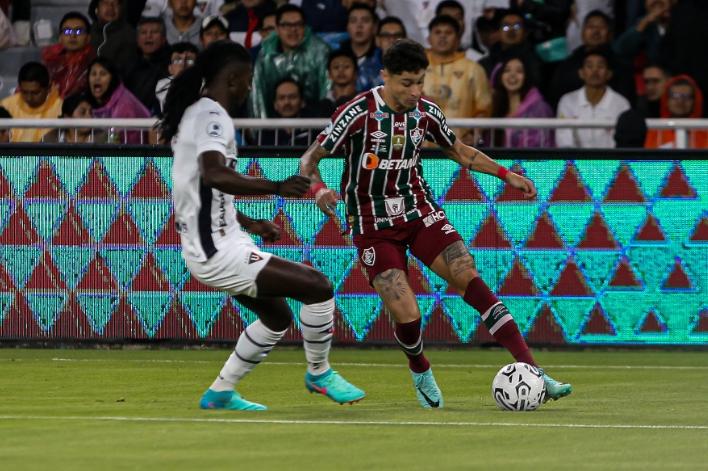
(252, 347)
(317, 325)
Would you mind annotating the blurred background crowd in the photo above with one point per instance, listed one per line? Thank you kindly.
(622, 60)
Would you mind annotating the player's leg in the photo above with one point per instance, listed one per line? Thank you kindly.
(385, 263)
(284, 278)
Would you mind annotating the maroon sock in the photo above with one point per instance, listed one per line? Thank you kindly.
(498, 320)
(410, 340)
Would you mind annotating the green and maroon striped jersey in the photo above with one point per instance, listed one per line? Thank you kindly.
(382, 183)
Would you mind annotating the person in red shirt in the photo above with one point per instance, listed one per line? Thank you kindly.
(68, 60)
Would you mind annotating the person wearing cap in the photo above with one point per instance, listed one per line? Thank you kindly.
(183, 25)
(214, 28)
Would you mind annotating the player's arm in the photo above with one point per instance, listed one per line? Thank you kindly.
(216, 174)
(325, 198)
(476, 160)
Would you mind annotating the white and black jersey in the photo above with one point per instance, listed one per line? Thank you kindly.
(202, 213)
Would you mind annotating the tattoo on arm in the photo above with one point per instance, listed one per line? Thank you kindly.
(310, 161)
(392, 284)
(458, 259)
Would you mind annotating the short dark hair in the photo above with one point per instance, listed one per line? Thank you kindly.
(599, 14)
(444, 20)
(34, 72)
(93, 6)
(363, 6)
(341, 53)
(146, 20)
(74, 15)
(183, 47)
(448, 4)
(4, 113)
(287, 8)
(287, 79)
(405, 56)
(603, 52)
(71, 102)
(395, 20)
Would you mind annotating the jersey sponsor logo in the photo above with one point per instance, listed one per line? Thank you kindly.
(416, 136)
(398, 141)
(400, 125)
(378, 115)
(370, 161)
(433, 217)
(447, 229)
(254, 257)
(417, 115)
(215, 129)
(368, 256)
(394, 206)
(397, 164)
(379, 134)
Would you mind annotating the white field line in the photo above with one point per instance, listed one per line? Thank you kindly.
(346, 422)
(371, 365)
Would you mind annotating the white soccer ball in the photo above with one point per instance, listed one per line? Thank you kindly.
(519, 387)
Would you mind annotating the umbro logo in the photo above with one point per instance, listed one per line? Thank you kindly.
(431, 403)
(378, 134)
(254, 257)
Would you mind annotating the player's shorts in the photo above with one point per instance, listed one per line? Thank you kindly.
(235, 266)
(384, 249)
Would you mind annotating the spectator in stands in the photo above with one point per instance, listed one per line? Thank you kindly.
(152, 64)
(486, 33)
(76, 106)
(183, 56)
(295, 52)
(594, 101)
(682, 99)
(111, 36)
(647, 34)
(288, 103)
(512, 43)
(630, 130)
(390, 30)
(596, 33)
(326, 16)
(8, 38)
(516, 96)
(68, 60)
(183, 25)
(266, 27)
(36, 99)
(341, 67)
(654, 77)
(243, 20)
(111, 99)
(549, 18)
(457, 84)
(362, 24)
(214, 28)
(4, 132)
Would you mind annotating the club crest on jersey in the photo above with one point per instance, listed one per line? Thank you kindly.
(369, 256)
(254, 257)
(215, 129)
(394, 206)
(378, 115)
(398, 141)
(416, 136)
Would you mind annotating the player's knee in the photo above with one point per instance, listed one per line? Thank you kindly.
(320, 287)
(462, 280)
(279, 321)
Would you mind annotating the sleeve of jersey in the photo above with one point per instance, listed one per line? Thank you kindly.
(438, 131)
(213, 131)
(332, 138)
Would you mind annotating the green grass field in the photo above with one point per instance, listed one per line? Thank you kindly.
(137, 409)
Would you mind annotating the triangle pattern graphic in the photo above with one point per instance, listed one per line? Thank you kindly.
(625, 276)
(463, 318)
(19, 230)
(150, 185)
(331, 233)
(97, 184)
(416, 278)
(678, 279)
(176, 325)
(439, 174)
(123, 263)
(150, 277)
(4, 213)
(19, 318)
(700, 233)
(356, 282)
(123, 231)
(124, 324)
(624, 188)
(98, 309)
(123, 172)
(194, 285)
(650, 231)
(545, 329)
(18, 175)
(701, 326)
(71, 322)
(5, 303)
(45, 308)
(598, 323)
(97, 217)
(71, 262)
(151, 308)
(306, 217)
(71, 231)
(438, 326)
(22, 263)
(70, 171)
(509, 193)
(5, 187)
(571, 282)
(571, 220)
(45, 276)
(570, 187)
(491, 235)
(46, 184)
(544, 235)
(518, 282)
(98, 277)
(6, 283)
(597, 235)
(623, 220)
(652, 323)
(518, 220)
(45, 216)
(359, 312)
(169, 235)
(464, 188)
(204, 308)
(150, 217)
(677, 185)
(227, 325)
(288, 236)
(163, 165)
(172, 265)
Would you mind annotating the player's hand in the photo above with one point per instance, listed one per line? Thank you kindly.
(326, 200)
(521, 183)
(294, 186)
(268, 231)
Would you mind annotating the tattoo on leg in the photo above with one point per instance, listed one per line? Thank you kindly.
(458, 259)
(392, 284)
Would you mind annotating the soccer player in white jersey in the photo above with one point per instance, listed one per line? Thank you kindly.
(215, 244)
(391, 210)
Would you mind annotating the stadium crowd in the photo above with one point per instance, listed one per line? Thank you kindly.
(622, 60)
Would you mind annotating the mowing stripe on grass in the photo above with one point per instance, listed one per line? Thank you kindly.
(349, 422)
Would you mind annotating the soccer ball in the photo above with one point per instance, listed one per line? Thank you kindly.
(519, 387)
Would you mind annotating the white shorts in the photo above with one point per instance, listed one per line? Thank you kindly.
(234, 267)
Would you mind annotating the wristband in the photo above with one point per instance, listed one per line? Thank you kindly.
(317, 187)
(501, 173)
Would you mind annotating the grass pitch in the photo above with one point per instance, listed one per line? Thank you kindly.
(137, 409)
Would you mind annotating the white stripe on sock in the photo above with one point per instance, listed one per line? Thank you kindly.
(317, 326)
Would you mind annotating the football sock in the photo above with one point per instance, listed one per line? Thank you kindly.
(252, 347)
(410, 340)
(498, 320)
(317, 326)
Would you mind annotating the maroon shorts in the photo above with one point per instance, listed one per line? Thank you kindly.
(386, 248)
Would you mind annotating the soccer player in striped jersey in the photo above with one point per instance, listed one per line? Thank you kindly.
(390, 208)
(215, 244)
